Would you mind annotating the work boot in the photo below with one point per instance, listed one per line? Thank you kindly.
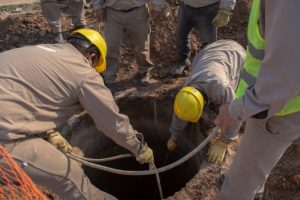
(146, 78)
(58, 37)
(179, 67)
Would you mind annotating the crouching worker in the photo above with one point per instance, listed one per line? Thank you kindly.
(41, 87)
(214, 78)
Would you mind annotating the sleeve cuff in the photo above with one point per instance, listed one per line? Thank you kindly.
(236, 110)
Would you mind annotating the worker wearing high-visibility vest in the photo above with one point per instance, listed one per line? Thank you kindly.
(267, 97)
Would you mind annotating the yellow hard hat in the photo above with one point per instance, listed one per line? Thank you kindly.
(96, 39)
(189, 104)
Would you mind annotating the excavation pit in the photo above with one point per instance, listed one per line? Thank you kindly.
(142, 114)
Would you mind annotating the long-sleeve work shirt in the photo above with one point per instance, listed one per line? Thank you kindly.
(215, 72)
(278, 78)
(44, 85)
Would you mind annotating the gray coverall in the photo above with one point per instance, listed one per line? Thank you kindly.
(215, 72)
(197, 14)
(51, 12)
(40, 88)
(132, 17)
(266, 138)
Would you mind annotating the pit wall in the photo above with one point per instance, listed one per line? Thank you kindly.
(152, 117)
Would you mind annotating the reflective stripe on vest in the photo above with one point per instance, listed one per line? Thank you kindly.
(254, 57)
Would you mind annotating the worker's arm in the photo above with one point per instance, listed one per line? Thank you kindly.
(177, 127)
(98, 101)
(278, 78)
(220, 92)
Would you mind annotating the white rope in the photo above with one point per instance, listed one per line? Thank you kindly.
(148, 172)
(98, 160)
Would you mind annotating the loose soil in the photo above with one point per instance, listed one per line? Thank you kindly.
(28, 27)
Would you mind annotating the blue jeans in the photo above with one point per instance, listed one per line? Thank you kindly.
(201, 18)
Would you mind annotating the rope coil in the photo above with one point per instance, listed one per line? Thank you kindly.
(154, 171)
(145, 172)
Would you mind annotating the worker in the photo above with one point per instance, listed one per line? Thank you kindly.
(133, 18)
(51, 11)
(41, 87)
(267, 97)
(206, 16)
(215, 74)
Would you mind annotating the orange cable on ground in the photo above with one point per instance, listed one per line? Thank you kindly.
(15, 184)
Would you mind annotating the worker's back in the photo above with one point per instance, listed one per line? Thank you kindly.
(216, 68)
(39, 88)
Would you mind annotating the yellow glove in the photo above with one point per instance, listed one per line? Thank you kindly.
(171, 145)
(57, 140)
(216, 152)
(222, 18)
(145, 155)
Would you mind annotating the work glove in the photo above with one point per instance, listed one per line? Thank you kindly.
(216, 152)
(171, 144)
(145, 155)
(57, 140)
(222, 18)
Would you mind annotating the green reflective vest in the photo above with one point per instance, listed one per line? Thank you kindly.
(254, 56)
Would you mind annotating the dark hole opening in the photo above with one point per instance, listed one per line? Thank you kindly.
(145, 187)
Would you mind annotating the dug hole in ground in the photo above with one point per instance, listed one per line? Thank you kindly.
(150, 110)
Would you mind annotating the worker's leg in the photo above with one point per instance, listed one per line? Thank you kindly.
(261, 148)
(182, 33)
(182, 36)
(76, 11)
(138, 19)
(51, 12)
(203, 22)
(113, 32)
(47, 166)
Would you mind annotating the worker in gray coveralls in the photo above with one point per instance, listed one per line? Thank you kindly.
(206, 16)
(41, 87)
(213, 80)
(132, 17)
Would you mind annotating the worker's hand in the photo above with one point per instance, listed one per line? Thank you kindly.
(154, 14)
(57, 140)
(216, 152)
(145, 155)
(222, 18)
(171, 144)
(100, 14)
(223, 120)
